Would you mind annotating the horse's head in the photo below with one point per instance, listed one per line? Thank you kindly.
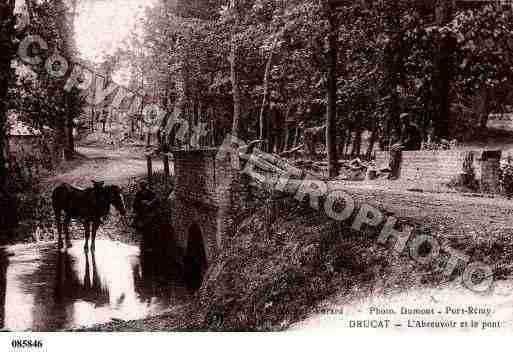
(116, 199)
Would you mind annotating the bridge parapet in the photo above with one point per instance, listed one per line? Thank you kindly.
(206, 195)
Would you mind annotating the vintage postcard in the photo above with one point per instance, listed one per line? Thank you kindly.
(314, 167)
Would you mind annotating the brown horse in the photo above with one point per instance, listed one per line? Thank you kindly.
(90, 206)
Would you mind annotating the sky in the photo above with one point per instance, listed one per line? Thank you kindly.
(102, 25)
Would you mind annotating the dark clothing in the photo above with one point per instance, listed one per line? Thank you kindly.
(143, 200)
(145, 203)
(396, 157)
(145, 209)
(413, 141)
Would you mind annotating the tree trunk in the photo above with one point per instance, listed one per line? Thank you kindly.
(6, 55)
(484, 109)
(234, 74)
(372, 142)
(181, 83)
(65, 29)
(393, 66)
(297, 135)
(349, 139)
(441, 91)
(357, 143)
(286, 140)
(265, 100)
(443, 73)
(331, 111)
(70, 141)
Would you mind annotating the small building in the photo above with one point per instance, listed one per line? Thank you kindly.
(23, 139)
(28, 146)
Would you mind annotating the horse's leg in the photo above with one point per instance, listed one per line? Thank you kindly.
(93, 236)
(67, 221)
(87, 225)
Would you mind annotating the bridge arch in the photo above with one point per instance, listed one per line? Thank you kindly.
(195, 256)
(205, 200)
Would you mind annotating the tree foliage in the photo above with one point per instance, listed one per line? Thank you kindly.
(40, 98)
(447, 67)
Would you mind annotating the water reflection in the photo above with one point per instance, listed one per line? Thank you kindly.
(43, 289)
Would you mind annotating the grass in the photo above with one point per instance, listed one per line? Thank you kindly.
(269, 283)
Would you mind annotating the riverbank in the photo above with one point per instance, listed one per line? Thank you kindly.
(310, 262)
(122, 166)
(278, 274)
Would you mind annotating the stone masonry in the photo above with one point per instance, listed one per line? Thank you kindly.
(207, 195)
(442, 166)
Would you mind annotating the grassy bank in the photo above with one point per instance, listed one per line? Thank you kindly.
(267, 283)
(263, 283)
(36, 217)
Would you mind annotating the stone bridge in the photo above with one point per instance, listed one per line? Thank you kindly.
(206, 198)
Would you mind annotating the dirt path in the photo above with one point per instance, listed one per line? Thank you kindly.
(443, 214)
(464, 221)
(111, 166)
(120, 167)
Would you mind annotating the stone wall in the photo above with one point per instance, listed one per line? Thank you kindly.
(430, 166)
(490, 168)
(442, 166)
(206, 194)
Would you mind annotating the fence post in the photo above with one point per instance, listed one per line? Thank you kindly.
(150, 167)
(166, 166)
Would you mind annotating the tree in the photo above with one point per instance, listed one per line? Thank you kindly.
(65, 25)
(261, 68)
(483, 60)
(234, 70)
(8, 210)
(331, 74)
(7, 33)
(38, 96)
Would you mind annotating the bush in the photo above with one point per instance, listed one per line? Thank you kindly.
(466, 180)
(269, 282)
(506, 179)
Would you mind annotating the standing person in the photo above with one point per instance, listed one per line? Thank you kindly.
(413, 140)
(144, 203)
(145, 208)
(396, 158)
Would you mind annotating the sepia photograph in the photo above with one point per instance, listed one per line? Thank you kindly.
(303, 166)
